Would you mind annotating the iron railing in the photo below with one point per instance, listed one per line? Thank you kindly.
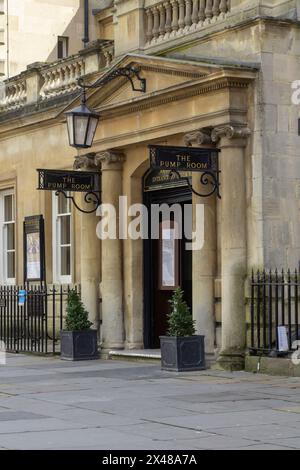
(33, 326)
(274, 303)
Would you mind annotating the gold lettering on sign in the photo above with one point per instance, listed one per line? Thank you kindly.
(81, 187)
(170, 164)
(184, 161)
(54, 186)
(197, 166)
(183, 158)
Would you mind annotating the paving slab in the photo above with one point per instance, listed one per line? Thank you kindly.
(266, 433)
(46, 403)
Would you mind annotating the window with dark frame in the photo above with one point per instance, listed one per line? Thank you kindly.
(62, 47)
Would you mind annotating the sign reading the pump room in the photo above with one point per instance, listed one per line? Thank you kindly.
(183, 158)
(61, 180)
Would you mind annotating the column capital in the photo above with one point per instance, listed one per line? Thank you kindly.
(230, 132)
(109, 157)
(86, 162)
(199, 137)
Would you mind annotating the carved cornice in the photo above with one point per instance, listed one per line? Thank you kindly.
(172, 71)
(197, 137)
(182, 92)
(230, 132)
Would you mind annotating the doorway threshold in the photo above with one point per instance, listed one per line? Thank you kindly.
(136, 355)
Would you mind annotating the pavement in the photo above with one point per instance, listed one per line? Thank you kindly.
(46, 403)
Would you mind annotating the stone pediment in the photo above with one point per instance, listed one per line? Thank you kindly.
(166, 79)
(161, 74)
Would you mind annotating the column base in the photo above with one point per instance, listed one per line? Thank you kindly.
(106, 348)
(130, 346)
(111, 346)
(231, 360)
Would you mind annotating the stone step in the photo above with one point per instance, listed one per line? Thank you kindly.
(136, 355)
(147, 355)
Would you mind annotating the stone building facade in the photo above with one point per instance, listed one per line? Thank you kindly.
(219, 74)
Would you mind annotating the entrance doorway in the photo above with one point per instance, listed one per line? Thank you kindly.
(167, 263)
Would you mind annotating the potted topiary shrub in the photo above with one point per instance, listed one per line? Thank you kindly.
(78, 340)
(182, 349)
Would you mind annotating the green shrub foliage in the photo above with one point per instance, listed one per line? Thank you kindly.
(180, 319)
(77, 316)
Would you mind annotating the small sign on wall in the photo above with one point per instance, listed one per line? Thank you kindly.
(283, 343)
(22, 297)
(34, 249)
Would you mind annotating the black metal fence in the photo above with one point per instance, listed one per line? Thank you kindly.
(274, 303)
(32, 324)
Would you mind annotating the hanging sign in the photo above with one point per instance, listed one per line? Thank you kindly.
(34, 248)
(189, 159)
(63, 180)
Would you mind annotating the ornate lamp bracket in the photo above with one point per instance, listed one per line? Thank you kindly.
(130, 72)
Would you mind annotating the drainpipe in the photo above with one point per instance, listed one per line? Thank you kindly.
(7, 42)
(86, 38)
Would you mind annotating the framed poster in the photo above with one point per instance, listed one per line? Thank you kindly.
(34, 249)
(169, 278)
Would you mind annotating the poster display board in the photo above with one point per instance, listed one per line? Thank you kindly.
(34, 249)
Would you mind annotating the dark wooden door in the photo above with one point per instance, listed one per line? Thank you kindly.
(157, 290)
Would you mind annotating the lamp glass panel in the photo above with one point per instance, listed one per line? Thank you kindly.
(70, 125)
(80, 123)
(91, 131)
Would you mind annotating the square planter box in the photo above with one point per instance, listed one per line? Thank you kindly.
(79, 345)
(182, 353)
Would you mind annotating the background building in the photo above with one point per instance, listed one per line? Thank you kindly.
(41, 31)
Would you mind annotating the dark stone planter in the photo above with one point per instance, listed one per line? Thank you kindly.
(79, 345)
(182, 353)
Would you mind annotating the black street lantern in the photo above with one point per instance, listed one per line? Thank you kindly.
(82, 124)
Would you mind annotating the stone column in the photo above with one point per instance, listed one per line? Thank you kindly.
(204, 259)
(232, 141)
(90, 248)
(111, 252)
(90, 257)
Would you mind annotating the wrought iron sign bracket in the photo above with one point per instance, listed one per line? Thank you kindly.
(91, 197)
(207, 178)
(130, 73)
